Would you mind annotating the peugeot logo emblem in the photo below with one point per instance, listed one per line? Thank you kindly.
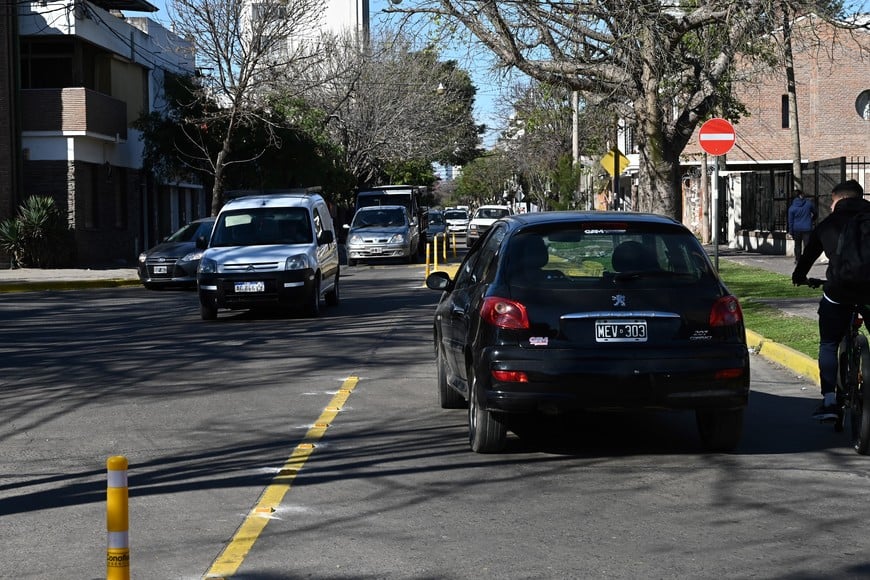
(618, 300)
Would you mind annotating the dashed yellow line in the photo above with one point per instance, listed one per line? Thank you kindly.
(228, 562)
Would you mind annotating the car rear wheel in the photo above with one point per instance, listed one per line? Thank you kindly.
(487, 432)
(447, 397)
(720, 429)
(333, 297)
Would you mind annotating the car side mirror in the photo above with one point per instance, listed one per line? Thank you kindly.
(201, 243)
(439, 281)
(326, 237)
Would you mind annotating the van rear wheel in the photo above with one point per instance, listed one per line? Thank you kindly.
(312, 308)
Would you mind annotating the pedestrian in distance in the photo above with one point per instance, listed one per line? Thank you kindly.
(838, 301)
(801, 217)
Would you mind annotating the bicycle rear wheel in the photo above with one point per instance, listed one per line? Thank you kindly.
(859, 412)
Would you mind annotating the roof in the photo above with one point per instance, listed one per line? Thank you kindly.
(285, 199)
(128, 5)
(597, 216)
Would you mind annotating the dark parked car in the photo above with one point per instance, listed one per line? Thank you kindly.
(560, 312)
(173, 262)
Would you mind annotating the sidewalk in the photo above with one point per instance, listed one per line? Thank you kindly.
(34, 279)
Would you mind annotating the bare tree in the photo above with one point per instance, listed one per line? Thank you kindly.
(241, 48)
(387, 101)
(663, 67)
(540, 137)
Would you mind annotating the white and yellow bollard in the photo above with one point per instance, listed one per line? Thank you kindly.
(117, 519)
(428, 249)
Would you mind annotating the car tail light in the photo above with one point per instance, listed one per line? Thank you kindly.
(728, 374)
(726, 312)
(510, 376)
(504, 313)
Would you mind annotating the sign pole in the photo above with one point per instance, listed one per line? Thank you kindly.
(714, 213)
(716, 137)
(615, 197)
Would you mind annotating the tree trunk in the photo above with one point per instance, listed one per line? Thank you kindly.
(659, 171)
(794, 128)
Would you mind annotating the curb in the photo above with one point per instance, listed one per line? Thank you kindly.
(783, 355)
(65, 285)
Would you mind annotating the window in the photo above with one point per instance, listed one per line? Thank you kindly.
(862, 105)
(785, 112)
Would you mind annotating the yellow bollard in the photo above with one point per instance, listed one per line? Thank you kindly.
(454, 244)
(428, 247)
(435, 257)
(117, 519)
(444, 242)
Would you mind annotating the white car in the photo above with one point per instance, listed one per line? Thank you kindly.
(483, 218)
(457, 219)
(275, 250)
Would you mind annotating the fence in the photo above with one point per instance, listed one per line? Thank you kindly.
(766, 195)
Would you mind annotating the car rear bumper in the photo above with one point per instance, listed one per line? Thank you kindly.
(285, 289)
(566, 380)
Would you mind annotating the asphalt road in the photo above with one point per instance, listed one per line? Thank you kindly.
(215, 419)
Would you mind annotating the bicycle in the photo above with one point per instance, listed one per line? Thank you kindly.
(853, 356)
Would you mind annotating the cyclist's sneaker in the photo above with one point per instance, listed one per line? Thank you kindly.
(826, 412)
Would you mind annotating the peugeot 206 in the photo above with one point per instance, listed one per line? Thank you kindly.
(564, 312)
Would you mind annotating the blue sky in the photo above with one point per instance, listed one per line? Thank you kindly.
(488, 92)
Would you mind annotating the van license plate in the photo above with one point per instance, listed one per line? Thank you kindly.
(250, 287)
(622, 330)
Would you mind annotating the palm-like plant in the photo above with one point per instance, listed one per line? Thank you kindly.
(38, 236)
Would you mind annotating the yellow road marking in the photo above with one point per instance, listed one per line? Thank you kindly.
(228, 562)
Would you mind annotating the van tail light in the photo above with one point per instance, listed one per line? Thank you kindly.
(726, 312)
(504, 313)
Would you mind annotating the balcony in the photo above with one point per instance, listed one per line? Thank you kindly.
(74, 110)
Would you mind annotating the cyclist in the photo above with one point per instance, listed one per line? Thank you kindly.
(837, 304)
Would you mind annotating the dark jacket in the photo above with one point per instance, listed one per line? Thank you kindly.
(824, 238)
(801, 215)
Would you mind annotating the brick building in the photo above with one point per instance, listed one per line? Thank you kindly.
(832, 77)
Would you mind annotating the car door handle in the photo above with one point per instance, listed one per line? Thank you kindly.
(457, 312)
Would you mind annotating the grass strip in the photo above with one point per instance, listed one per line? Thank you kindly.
(752, 286)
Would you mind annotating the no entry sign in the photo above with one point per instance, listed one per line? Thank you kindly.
(717, 136)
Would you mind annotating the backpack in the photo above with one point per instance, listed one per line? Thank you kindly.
(850, 268)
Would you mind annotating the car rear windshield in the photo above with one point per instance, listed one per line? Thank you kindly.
(263, 226)
(574, 255)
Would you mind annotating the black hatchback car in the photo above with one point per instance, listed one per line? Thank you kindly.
(173, 262)
(558, 312)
